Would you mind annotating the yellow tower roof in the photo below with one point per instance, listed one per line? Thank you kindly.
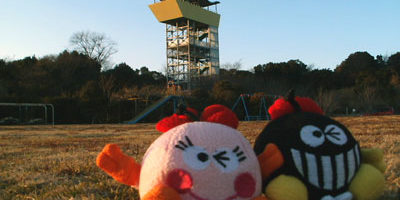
(168, 11)
(202, 3)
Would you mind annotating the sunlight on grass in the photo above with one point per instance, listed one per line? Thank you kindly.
(45, 162)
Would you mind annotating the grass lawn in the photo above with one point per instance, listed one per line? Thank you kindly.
(46, 162)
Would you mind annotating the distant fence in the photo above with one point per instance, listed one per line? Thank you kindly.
(26, 105)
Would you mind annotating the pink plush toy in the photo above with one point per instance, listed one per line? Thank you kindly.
(202, 160)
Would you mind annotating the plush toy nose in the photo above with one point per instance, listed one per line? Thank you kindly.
(180, 180)
(245, 185)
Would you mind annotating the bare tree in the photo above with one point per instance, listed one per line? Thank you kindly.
(107, 86)
(95, 45)
(368, 97)
(237, 65)
(327, 100)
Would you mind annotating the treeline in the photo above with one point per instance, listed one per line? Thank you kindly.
(82, 93)
(78, 89)
(360, 84)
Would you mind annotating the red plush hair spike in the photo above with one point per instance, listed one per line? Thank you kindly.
(283, 107)
(220, 114)
(172, 121)
(214, 113)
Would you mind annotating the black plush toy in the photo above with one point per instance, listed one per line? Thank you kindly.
(306, 155)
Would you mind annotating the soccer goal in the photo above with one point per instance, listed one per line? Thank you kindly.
(26, 113)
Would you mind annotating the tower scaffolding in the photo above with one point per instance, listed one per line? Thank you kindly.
(192, 45)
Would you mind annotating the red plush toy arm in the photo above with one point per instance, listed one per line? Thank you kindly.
(162, 192)
(261, 197)
(121, 167)
(270, 160)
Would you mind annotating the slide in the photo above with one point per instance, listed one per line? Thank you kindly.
(150, 109)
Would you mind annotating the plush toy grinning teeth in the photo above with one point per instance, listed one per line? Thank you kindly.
(329, 164)
(305, 155)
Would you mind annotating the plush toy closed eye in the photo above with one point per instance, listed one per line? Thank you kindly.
(201, 160)
(306, 155)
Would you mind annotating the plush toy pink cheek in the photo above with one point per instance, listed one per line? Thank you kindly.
(189, 159)
(182, 182)
(245, 185)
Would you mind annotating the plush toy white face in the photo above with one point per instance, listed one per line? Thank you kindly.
(202, 161)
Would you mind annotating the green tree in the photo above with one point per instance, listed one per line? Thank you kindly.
(353, 65)
(394, 60)
(321, 80)
(148, 77)
(73, 70)
(278, 78)
(124, 76)
(4, 75)
(394, 67)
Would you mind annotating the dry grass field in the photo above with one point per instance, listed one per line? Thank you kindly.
(45, 162)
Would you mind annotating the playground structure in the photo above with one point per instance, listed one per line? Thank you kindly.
(156, 105)
(25, 106)
(192, 49)
(191, 40)
(262, 114)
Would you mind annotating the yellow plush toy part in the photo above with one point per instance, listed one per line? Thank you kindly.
(371, 171)
(305, 155)
(288, 187)
(374, 157)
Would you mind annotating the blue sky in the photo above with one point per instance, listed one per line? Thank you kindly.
(317, 32)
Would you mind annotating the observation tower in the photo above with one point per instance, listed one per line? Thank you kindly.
(191, 40)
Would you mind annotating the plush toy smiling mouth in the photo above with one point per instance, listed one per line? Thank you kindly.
(182, 182)
(305, 155)
(320, 170)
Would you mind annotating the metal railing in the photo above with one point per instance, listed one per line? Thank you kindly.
(45, 106)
